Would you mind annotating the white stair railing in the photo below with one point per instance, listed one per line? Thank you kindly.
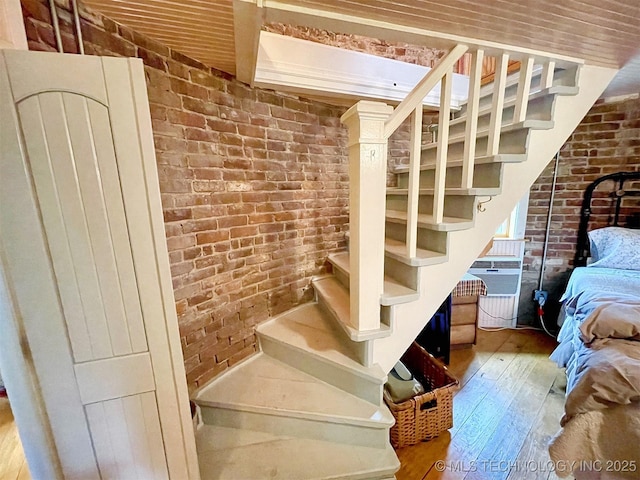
(412, 104)
(371, 124)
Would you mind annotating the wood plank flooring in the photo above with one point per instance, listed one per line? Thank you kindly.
(12, 462)
(506, 411)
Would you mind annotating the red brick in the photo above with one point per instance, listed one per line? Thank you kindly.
(199, 106)
(186, 119)
(212, 237)
(247, 231)
(152, 59)
(173, 215)
(37, 9)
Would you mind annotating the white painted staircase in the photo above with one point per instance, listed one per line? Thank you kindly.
(309, 404)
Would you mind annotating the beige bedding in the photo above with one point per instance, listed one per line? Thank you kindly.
(601, 423)
(612, 320)
(605, 443)
(608, 375)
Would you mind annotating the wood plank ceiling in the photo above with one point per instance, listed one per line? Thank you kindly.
(603, 32)
(200, 29)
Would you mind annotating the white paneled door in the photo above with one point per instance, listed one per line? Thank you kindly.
(84, 255)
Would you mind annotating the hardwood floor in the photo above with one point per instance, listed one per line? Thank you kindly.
(507, 409)
(12, 463)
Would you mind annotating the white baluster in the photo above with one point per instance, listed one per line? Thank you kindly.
(546, 79)
(413, 188)
(442, 147)
(495, 124)
(471, 129)
(524, 87)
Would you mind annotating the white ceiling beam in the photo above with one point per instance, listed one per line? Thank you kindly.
(248, 18)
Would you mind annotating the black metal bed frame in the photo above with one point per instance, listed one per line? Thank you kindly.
(582, 251)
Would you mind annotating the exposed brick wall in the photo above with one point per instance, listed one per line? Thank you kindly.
(606, 141)
(394, 50)
(398, 147)
(404, 52)
(254, 188)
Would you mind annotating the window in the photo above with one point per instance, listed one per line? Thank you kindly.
(514, 225)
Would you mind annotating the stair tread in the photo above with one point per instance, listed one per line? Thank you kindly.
(393, 289)
(230, 454)
(509, 102)
(336, 298)
(533, 124)
(263, 384)
(426, 221)
(306, 328)
(514, 78)
(398, 249)
(485, 159)
(449, 191)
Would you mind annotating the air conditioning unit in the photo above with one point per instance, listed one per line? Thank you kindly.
(502, 275)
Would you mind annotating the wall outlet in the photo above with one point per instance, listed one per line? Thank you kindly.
(540, 296)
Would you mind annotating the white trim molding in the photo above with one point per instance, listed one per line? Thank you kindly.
(304, 67)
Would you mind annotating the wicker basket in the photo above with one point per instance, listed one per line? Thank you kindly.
(425, 416)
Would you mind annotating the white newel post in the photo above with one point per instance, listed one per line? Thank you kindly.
(367, 187)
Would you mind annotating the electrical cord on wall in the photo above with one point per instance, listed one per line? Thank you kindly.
(540, 313)
(541, 302)
(496, 329)
(542, 299)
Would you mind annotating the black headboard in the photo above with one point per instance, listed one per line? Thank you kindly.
(617, 195)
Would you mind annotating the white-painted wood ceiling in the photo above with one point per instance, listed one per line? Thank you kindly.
(200, 29)
(603, 32)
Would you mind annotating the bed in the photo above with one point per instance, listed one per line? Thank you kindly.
(599, 340)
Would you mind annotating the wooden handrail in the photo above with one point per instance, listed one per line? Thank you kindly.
(415, 98)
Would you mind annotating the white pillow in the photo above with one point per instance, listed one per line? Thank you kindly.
(615, 247)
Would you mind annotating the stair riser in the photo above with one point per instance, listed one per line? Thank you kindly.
(460, 206)
(427, 239)
(539, 108)
(486, 175)
(342, 277)
(361, 387)
(403, 273)
(361, 348)
(233, 454)
(568, 78)
(510, 142)
(319, 429)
